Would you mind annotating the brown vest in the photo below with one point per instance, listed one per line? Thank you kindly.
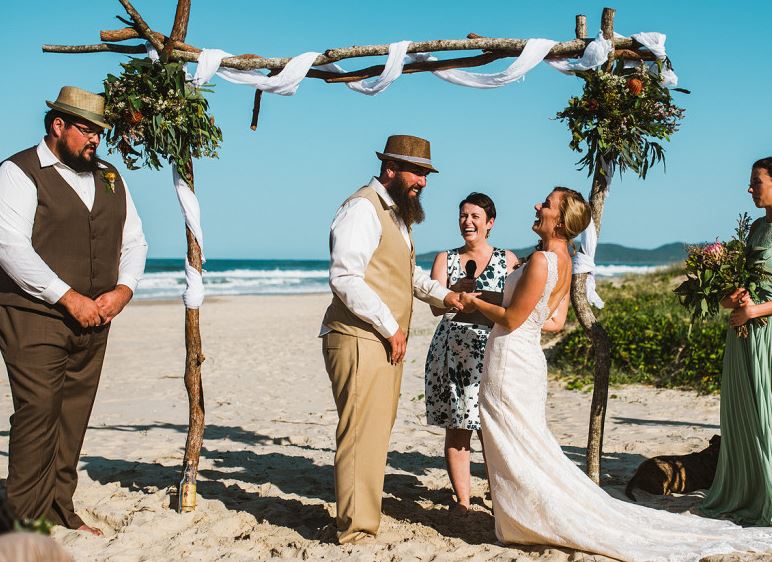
(389, 274)
(83, 248)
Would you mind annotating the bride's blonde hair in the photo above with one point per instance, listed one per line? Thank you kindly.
(575, 212)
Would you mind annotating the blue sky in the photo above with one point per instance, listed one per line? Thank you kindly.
(273, 192)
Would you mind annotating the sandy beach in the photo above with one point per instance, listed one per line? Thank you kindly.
(265, 484)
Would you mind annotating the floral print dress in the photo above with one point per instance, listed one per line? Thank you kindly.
(455, 359)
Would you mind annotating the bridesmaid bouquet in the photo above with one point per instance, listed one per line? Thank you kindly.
(716, 270)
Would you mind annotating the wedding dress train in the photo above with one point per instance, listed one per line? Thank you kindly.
(541, 497)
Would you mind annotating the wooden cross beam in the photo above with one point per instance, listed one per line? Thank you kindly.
(493, 49)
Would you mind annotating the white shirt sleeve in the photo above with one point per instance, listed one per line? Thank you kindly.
(18, 204)
(133, 246)
(355, 235)
(427, 289)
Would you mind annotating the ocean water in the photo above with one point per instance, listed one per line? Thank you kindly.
(165, 278)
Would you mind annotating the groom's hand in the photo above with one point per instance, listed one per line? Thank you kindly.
(113, 302)
(453, 300)
(398, 344)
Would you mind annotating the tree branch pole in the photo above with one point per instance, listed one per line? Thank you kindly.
(194, 357)
(179, 28)
(586, 317)
(141, 26)
(580, 30)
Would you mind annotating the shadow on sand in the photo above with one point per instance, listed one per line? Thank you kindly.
(406, 497)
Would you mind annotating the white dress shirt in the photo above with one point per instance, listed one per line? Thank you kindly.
(356, 233)
(18, 204)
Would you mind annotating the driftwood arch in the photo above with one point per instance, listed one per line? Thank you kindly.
(173, 47)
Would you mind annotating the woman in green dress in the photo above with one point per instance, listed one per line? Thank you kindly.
(742, 488)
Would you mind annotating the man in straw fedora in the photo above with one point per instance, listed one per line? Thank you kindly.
(373, 280)
(71, 254)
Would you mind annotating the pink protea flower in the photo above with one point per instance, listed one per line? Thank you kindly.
(714, 250)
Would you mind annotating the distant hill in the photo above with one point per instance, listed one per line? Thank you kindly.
(614, 254)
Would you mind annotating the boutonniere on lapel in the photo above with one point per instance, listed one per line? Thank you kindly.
(109, 178)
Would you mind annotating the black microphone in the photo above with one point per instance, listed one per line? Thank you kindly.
(470, 268)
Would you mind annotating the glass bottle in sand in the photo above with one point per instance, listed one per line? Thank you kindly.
(187, 491)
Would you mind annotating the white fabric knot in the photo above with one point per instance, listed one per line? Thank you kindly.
(595, 54)
(655, 42)
(391, 71)
(584, 262)
(193, 297)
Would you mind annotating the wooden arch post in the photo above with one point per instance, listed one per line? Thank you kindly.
(194, 355)
(584, 313)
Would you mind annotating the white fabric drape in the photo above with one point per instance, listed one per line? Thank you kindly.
(193, 297)
(533, 53)
(655, 42)
(391, 71)
(584, 262)
(285, 83)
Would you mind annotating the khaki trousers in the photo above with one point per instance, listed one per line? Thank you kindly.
(366, 391)
(53, 369)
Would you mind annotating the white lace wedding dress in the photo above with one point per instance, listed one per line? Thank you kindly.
(541, 497)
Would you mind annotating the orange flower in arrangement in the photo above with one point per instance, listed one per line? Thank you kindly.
(635, 86)
(134, 117)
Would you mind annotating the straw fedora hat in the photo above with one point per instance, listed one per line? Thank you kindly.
(80, 103)
(404, 148)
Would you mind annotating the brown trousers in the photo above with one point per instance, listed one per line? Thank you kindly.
(53, 369)
(366, 391)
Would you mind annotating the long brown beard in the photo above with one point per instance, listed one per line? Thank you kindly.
(409, 209)
(76, 161)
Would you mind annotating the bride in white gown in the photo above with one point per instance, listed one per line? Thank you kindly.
(539, 495)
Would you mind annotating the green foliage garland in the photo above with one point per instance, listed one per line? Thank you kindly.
(620, 118)
(157, 115)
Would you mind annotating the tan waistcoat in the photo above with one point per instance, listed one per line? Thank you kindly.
(82, 247)
(389, 274)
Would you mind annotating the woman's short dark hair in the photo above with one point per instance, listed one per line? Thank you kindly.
(765, 164)
(482, 201)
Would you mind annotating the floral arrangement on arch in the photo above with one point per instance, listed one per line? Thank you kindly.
(158, 114)
(714, 271)
(621, 116)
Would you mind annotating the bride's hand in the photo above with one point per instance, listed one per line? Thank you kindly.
(469, 300)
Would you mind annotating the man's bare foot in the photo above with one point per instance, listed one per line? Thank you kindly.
(93, 530)
(459, 510)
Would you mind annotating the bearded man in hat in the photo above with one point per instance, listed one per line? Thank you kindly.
(71, 254)
(364, 331)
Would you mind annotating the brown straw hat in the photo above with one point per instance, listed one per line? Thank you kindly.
(404, 148)
(80, 103)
